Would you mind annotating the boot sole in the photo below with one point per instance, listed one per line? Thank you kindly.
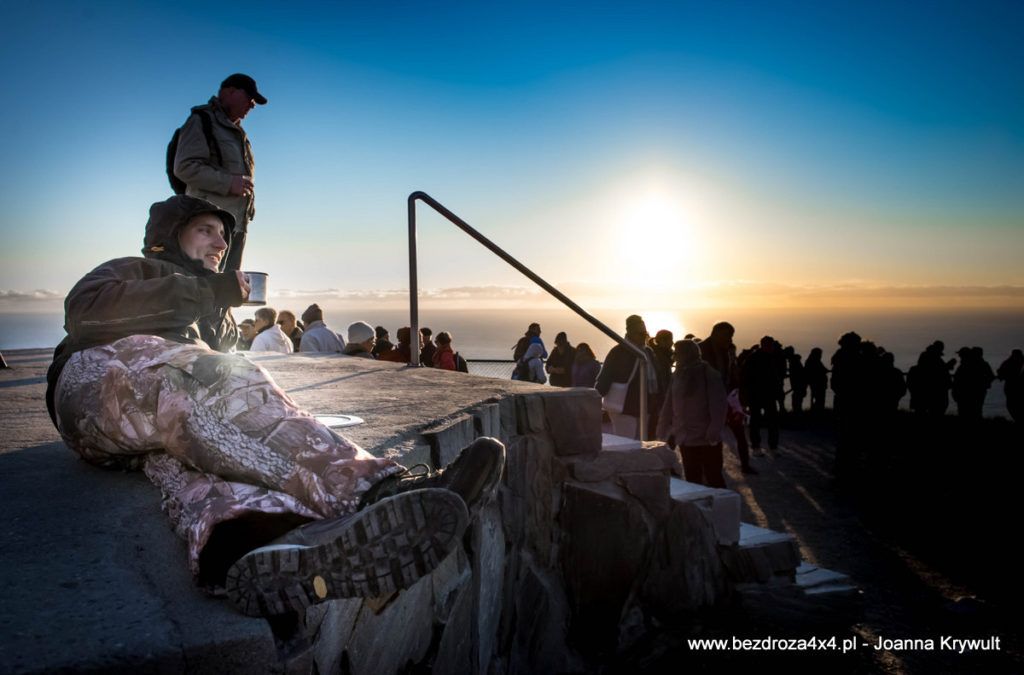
(377, 551)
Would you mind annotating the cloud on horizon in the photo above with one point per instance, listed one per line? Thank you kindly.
(25, 296)
(858, 289)
(455, 293)
(742, 293)
(32, 301)
(739, 292)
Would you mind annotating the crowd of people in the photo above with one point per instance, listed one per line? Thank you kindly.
(697, 388)
(765, 380)
(273, 331)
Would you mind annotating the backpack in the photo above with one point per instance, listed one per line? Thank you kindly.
(523, 372)
(460, 364)
(177, 184)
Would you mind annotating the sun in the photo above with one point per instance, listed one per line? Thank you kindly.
(656, 241)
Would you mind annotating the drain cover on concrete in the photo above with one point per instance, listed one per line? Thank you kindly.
(339, 421)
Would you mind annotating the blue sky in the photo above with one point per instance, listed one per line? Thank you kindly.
(700, 153)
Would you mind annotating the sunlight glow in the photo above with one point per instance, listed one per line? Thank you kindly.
(656, 240)
(664, 320)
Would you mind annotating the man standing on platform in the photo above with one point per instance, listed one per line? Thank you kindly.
(620, 367)
(214, 159)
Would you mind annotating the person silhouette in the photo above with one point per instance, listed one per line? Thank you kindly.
(816, 375)
(929, 381)
(971, 382)
(720, 353)
(1011, 372)
(761, 383)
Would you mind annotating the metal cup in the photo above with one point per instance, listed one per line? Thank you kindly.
(257, 288)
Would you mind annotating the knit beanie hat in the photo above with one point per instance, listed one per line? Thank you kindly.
(312, 313)
(360, 331)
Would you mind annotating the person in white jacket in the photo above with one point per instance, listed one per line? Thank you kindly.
(270, 337)
(534, 366)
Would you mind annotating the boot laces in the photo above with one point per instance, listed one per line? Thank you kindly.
(416, 472)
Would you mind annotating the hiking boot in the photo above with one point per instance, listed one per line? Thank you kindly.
(374, 552)
(472, 475)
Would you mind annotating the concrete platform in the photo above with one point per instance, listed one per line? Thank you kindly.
(93, 580)
(23, 419)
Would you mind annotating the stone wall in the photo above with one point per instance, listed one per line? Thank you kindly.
(580, 553)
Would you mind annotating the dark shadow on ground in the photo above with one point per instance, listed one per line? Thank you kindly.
(921, 519)
(23, 382)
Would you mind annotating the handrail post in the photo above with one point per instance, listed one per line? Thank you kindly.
(414, 318)
(642, 422)
(498, 251)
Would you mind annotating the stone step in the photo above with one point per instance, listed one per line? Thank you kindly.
(611, 442)
(625, 456)
(761, 556)
(818, 581)
(754, 556)
(721, 505)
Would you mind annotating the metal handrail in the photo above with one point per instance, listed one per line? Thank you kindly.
(498, 251)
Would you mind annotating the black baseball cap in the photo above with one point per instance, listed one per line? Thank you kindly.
(240, 81)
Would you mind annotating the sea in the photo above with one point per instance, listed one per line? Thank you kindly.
(492, 333)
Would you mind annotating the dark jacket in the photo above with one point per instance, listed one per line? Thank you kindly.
(164, 294)
(662, 366)
(427, 354)
(617, 368)
(524, 343)
(584, 373)
(296, 337)
(719, 355)
(760, 377)
(561, 357)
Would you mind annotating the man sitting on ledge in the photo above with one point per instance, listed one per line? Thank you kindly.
(277, 509)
